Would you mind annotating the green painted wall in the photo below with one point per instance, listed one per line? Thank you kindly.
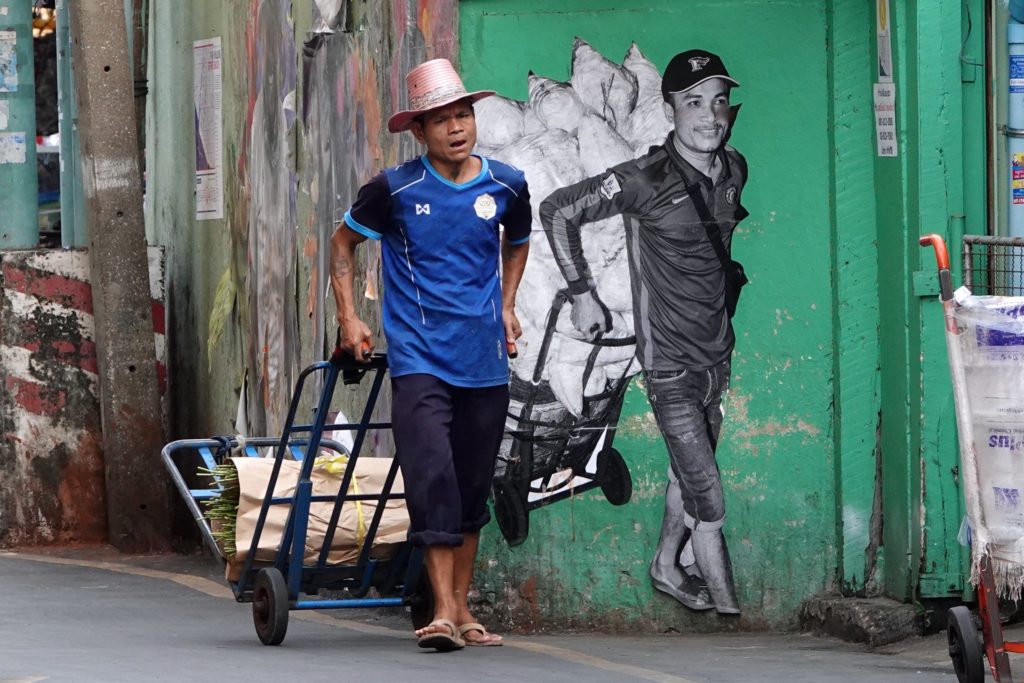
(586, 561)
(839, 442)
(855, 296)
(203, 385)
(934, 186)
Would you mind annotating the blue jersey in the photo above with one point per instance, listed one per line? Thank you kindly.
(442, 272)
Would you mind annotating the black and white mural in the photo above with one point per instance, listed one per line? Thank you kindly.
(578, 300)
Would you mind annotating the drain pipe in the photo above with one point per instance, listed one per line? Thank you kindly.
(1015, 117)
(73, 233)
(19, 197)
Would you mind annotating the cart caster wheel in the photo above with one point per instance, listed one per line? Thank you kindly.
(964, 646)
(270, 606)
(511, 513)
(613, 476)
(421, 608)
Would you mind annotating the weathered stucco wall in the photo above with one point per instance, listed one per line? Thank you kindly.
(51, 459)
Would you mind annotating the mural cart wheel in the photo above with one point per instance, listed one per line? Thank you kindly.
(270, 606)
(421, 607)
(964, 646)
(511, 513)
(613, 476)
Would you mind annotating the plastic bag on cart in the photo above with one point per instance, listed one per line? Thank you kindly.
(990, 333)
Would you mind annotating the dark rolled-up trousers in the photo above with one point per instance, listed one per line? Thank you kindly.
(446, 441)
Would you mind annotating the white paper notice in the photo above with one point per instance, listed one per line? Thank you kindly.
(885, 119)
(12, 148)
(883, 34)
(5, 114)
(8, 61)
(208, 109)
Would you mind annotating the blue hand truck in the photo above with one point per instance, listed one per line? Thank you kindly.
(274, 590)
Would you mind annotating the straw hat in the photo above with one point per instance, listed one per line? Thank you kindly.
(431, 85)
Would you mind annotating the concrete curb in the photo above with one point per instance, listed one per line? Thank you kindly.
(874, 621)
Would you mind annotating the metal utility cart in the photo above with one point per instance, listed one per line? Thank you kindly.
(275, 589)
(992, 266)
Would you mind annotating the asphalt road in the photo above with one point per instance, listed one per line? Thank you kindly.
(98, 616)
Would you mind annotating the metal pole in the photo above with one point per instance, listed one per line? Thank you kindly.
(19, 200)
(73, 231)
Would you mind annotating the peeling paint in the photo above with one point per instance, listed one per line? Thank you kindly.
(50, 454)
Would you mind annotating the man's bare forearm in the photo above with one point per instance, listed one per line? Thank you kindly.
(513, 263)
(343, 260)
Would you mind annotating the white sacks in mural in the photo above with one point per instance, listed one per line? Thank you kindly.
(604, 87)
(991, 338)
(604, 115)
(555, 104)
(500, 122)
(649, 124)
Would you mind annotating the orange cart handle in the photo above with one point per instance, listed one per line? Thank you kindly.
(942, 259)
(939, 244)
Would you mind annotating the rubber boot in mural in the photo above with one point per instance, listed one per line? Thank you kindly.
(673, 570)
(713, 559)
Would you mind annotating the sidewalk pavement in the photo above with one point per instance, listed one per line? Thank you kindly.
(96, 615)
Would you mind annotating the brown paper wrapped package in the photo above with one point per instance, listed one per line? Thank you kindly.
(253, 477)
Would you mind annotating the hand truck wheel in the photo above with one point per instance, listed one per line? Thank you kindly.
(270, 606)
(421, 606)
(511, 513)
(613, 476)
(964, 646)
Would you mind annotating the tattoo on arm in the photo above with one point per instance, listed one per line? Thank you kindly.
(342, 266)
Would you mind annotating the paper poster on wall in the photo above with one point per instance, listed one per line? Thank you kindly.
(885, 119)
(884, 40)
(5, 114)
(1016, 73)
(1017, 177)
(8, 61)
(208, 120)
(12, 148)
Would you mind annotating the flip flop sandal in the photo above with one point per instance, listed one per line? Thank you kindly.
(486, 639)
(441, 641)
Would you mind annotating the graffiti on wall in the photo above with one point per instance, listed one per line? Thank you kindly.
(349, 87)
(618, 251)
(272, 221)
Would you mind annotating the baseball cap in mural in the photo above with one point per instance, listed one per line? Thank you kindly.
(691, 68)
(431, 85)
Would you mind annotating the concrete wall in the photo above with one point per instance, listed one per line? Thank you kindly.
(51, 456)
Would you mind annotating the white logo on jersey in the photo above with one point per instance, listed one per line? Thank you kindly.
(485, 207)
(422, 208)
(610, 186)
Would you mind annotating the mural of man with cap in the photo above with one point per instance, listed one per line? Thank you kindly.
(450, 280)
(684, 333)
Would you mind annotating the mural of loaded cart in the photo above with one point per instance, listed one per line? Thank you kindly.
(627, 271)
(567, 390)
